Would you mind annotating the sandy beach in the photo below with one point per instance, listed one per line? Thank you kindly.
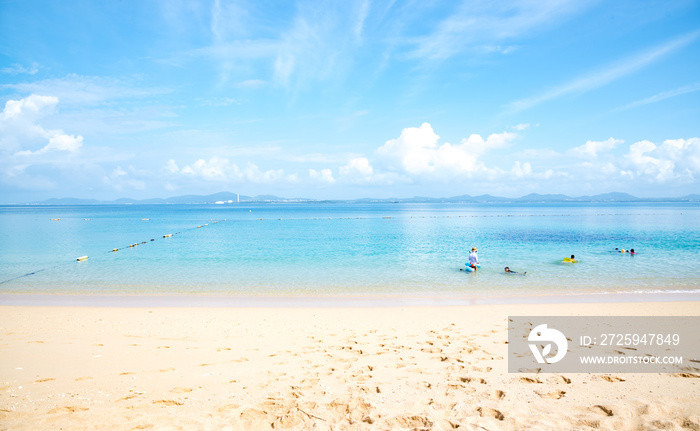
(210, 368)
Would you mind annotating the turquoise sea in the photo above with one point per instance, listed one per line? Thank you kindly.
(334, 249)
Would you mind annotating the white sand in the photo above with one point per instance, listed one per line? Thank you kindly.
(80, 368)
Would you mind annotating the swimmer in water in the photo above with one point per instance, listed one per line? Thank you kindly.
(508, 271)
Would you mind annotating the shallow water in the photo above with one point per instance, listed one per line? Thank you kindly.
(349, 249)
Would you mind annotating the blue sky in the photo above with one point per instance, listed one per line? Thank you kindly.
(348, 99)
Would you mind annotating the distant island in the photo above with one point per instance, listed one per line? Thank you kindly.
(227, 198)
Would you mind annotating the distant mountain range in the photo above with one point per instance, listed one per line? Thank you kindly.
(225, 198)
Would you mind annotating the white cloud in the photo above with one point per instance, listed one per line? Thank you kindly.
(322, 176)
(357, 167)
(220, 169)
(30, 107)
(172, 167)
(646, 165)
(417, 156)
(411, 152)
(591, 149)
(58, 142)
(674, 160)
(359, 171)
(216, 169)
(477, 145)
(253, 174)
(521, 169)
(19, 127)
(416, 152)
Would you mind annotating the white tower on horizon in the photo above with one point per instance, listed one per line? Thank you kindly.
(238, 198)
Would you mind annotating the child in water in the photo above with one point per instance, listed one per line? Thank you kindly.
(508, 271)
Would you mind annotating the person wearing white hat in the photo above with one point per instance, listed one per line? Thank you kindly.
(473, 259)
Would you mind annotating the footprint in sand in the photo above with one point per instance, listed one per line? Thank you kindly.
(612, 379)
(553, 395)
(44, 380)
(472, 380)
(413, 422)
(79, 379)
(497, 395)
(529, 380)
(559, 379)
(180, 390)
(602, 410)
(487, 412)
(128, 397)
(168, 402)
(687, 375)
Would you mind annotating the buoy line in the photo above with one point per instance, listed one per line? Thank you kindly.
(84, 258)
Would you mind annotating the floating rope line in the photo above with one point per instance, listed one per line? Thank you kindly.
(84, 258)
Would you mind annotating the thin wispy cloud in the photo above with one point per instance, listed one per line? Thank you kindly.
(480, 25)
(85, 90)
(660, 96)
(18, 69)
(606, 75)
(362, 12)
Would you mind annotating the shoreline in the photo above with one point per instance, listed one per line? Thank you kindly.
(331, 301)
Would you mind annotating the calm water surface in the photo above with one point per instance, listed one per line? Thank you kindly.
(354, 249)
